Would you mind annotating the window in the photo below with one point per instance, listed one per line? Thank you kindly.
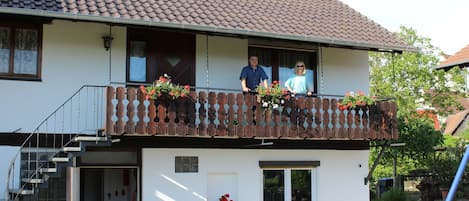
(137, 61)
(189, 164)
(20, 52)
(288, 180)
(153, 53)
(279, 64)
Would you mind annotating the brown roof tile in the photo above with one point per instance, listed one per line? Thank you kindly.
(460, 58)
(453, 122)
(325, 21)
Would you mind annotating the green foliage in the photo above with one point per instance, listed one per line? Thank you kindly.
(394, 195)
(410, 77)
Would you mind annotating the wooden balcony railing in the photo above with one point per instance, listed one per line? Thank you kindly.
(222, 115)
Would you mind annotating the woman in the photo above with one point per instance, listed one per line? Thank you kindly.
(298, 84)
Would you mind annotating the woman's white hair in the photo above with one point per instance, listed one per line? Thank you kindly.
(297, 69)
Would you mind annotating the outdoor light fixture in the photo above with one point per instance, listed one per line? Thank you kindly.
(107, 40)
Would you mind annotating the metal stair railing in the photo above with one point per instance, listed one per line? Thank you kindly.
(83, 113)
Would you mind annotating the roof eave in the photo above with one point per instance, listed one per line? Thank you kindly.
(115, 20)
(464, 63)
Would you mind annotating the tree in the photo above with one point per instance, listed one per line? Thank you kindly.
(411, 80)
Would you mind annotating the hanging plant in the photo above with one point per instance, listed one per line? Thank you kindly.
(164, 88)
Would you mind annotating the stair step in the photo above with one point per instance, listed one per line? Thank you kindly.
(60, 159)
(32, 181)
(71, 149)
(48, 170)
(22, 192)
(40, 150)
(90, 138)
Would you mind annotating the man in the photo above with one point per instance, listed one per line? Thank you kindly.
(252, 75)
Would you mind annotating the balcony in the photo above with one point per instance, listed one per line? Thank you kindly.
(231, 115)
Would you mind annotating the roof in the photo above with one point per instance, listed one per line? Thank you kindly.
(461, 58)
(321, 21)
(453, 122)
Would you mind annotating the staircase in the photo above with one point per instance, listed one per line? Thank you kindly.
(65, 134)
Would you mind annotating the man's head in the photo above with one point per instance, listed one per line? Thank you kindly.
(253, 61)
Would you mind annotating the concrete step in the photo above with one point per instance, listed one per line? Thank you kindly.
(22, 192)
(32, 181)
(71, 149)
(48, 170)
(60, 159)
(89, 139)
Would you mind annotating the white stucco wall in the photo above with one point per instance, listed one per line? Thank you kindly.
(73, 55)
(339, 177)
(7, 153)
(227, 56)
(343, 70)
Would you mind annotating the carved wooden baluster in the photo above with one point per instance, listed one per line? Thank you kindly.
(172, 118)
(325, 107)
(222, 100)
(120, 124)
(342, 130)
(260, 119)
(300, 133)
(335, 129)
(231, 115)
(152, 126)
(285, 117)
(240, 116)
(373, 122)
(202, 113)
(293, 131)
(387, 120)
(349, 124)
(309, 117)
(109, 110)
(268, 128)
(395, 132)
(141, 125)
(380, 120)
(276, 132)
(131, 95)
(191, 113)
(249, 129)
(212, 113)
(318, 131)
(357, 122)
(182, 128)
(365, 119)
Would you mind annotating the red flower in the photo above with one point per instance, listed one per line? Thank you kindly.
(183, 94)
(147, 97)
(360, 93)
(347, 94)
(171, 93)
(143, 89)
(152, 92)
(162, 79)
(187, 87)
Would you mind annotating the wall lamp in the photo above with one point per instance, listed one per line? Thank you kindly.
(107, 40)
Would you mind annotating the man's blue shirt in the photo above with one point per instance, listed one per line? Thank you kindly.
(253, 76)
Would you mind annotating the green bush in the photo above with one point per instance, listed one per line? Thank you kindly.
(393, 195)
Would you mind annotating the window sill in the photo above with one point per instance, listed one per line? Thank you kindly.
(33, 79)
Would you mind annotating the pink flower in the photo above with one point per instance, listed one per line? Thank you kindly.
(360, 93)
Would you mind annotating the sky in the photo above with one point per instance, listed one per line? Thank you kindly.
(445, 22)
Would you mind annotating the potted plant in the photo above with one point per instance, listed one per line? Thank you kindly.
(354, 100)
(444, 167)
(163, 89)
(272, 97)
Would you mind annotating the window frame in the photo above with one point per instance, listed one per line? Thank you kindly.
(11, 75)
(288, 183)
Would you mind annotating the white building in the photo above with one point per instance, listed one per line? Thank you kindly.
(73, 134)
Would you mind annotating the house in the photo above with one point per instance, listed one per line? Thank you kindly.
(75, 128)
(458, 121)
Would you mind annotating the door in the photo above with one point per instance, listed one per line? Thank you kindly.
(109, 184)
(153, 53)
